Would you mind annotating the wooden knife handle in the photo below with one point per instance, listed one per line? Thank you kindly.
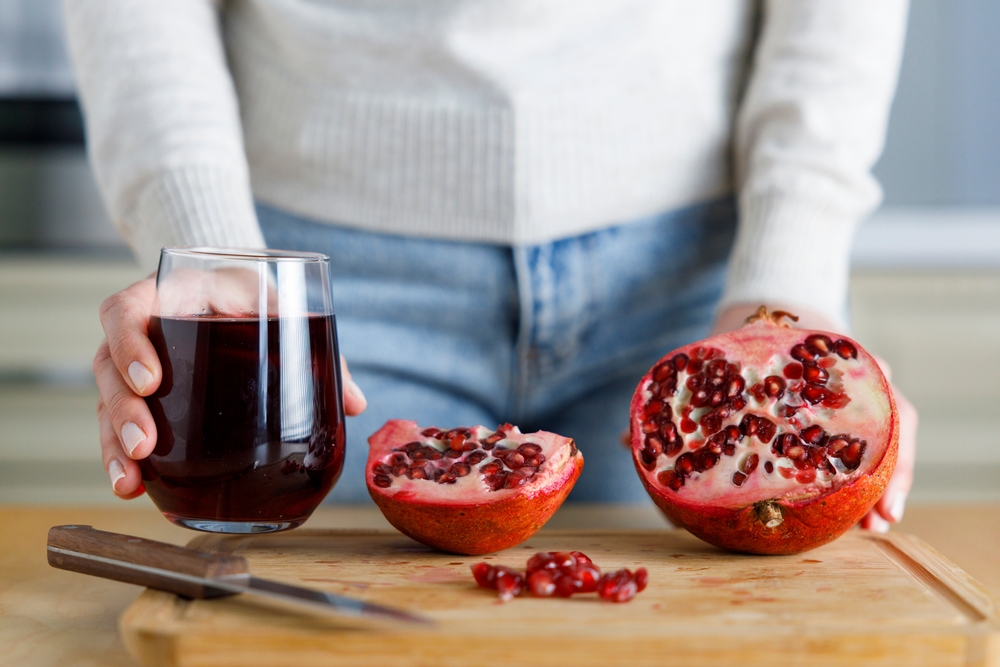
(88, 551)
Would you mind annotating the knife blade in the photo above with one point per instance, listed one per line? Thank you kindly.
(198, 574)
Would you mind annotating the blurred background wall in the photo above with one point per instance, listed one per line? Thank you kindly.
(925, 280)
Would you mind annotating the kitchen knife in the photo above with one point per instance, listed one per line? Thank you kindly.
(196, 574)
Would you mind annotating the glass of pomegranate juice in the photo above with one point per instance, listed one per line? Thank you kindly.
(249, 415)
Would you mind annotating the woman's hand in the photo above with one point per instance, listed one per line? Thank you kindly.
(889, 508)
(127, 369)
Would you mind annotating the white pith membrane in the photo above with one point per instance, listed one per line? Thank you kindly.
(855, 406)
(480, 443)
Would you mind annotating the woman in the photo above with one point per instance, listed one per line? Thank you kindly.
(526, 203)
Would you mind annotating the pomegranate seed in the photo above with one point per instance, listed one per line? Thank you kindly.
(619, 586)
(582, 558)
(485, 575)
(399, 469)
(711, 422)
(787, 473)
(381, 469)
(819, 344)
(801, 353)
(684, 464)
(460, 470)
(757, 391)
(513, 460)
(529, 449)
(453, 454)
(671, 480)
(774, 386)
(540, 584)
(664, 371)
(496, 481)
(688, 426)
(382, 481)
(535, 461)
(750, 464)
(475, 457)
(566, 584)
(647, 459)
(805, 476)
(705, 460)
(813, 373)
(680, 361)
(768, 467)
(792, 371)
(716, 368)
(813, 434)
(641, 578)
(735, 386)
(695, 366)
(518, 478)
(739, 478)
(836, 444)
(851, 455)
(457, 442)
(846, 350)
(491, 468)
(431, 432)
(814, 393)
(836, 401)
(446, 478)
(509, 585)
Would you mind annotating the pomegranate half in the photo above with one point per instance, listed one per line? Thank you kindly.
(469, 490)
(767, 439)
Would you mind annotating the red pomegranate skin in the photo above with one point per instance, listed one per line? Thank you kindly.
(478, 521)
(809, 518)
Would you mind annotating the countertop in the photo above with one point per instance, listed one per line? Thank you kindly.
(52, 617)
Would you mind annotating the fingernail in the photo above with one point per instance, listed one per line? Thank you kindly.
(354, 390)
(140, 375)
(132, 435)
(897, 507)
(877, 524)
(116, 472)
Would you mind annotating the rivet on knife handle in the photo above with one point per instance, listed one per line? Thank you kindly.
(89, 551)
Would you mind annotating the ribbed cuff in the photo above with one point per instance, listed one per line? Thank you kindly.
(192, 205)
(791, 250)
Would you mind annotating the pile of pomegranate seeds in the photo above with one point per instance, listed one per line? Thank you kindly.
(444, 456)
(562, 574)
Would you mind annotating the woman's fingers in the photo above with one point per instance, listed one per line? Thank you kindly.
(354, 400)
(123, 472)
(890, 507)
(125, 318)
(126, 414)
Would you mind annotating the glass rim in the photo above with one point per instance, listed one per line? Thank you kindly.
(245, 254)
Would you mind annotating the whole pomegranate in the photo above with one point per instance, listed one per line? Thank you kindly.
(469, 490)
(767, 439)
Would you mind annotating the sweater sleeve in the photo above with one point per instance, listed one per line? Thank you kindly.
(810, 128)
(163, 125)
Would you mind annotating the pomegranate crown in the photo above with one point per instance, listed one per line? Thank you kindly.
(776, 317)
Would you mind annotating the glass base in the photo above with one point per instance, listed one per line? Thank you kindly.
(234, 527)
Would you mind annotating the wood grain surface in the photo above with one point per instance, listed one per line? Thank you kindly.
(864, 599)
(53, 618)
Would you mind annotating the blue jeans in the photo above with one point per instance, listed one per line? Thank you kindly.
(553, 336)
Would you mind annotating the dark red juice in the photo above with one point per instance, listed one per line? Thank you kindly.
(250, 425)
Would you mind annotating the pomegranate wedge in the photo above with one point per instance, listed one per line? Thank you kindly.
(469, 490)
(768, 439)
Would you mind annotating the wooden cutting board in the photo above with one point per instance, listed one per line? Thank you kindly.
(863, 600)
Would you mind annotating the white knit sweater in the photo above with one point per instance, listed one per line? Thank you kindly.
(506, 121)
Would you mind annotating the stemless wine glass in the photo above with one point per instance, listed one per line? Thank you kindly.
(249, 415)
